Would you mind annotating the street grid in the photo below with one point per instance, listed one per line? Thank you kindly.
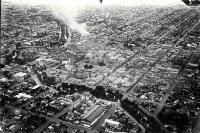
(116, 104)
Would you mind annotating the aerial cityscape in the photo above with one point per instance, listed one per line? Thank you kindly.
(109, 69)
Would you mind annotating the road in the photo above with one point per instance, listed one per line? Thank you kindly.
(174, 28)
(170, 89)
(157, 27)
(54, 119)
(106, 115)
(131, 117)
(144, 117)
(76, 126)
(146, 17)
(135, 54)
(34, 77)
(160, 106)
(149, 101)
(159, 58)
(49, 120)
(59, 114)
(196, 128)
(116, 68)
(147, 71)
(23, 42)
(198, 23)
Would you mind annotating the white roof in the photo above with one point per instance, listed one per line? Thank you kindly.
(112, 122)
(20, 74)
(27, 43)
(142, 97)
(66, 62)
(192, 45)
(23, 95)
(35, 87)
(40, 59)
(4, 79)
(44, 53)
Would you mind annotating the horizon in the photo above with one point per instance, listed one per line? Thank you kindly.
(80, 3)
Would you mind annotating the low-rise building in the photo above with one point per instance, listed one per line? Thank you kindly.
(112, 123)
(93, 115)
(19, 77)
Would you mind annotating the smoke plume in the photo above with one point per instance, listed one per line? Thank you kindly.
(68, 16)
(65, 10)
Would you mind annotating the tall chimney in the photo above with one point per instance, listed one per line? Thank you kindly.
(64, 33)
(67, 35)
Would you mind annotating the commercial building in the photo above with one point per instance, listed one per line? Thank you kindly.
(91, 117)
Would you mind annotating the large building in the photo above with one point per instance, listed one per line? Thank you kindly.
(91, 117)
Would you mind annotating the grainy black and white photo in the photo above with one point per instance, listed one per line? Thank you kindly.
(100, 66)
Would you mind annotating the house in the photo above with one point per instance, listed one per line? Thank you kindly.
(23, 95)
(19, 77)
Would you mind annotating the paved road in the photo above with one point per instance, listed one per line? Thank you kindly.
(131, 117)
(106, 115)
(145, 18)
(23, 42)
(197, 125)
(160, 106)
(198, 23)
(34, 77)
(174, 27)
(130, 58)
(40, 128)
(49, 120)
(170, 89)
(65, 110)
(74, 126)
(157, 27)
(147, 71)
(158, 59)
(116, 68)
(149, 101)
(62, 112)
(54, 119)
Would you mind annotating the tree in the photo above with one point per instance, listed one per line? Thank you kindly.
(102, 64)
(99, 92)
(88, 66)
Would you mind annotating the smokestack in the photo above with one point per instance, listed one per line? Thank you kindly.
(64, 33)
(68, 35)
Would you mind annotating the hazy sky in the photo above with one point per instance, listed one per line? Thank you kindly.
(96, 2)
